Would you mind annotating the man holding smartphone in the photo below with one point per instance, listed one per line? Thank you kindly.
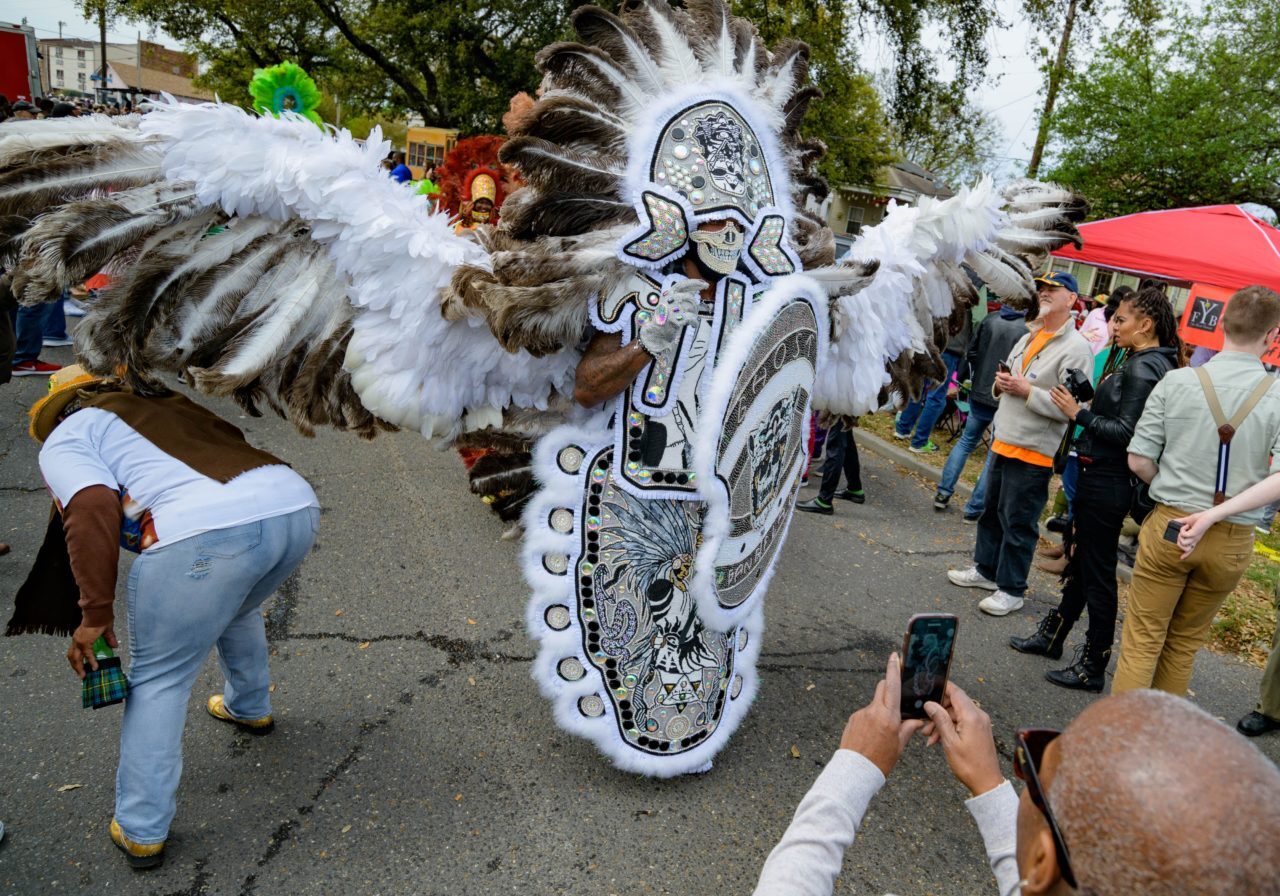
(1108, 805)
(1029, 428)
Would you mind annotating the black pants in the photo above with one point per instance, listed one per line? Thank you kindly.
(1010, 523)
(1102, 500)
(8, 343)
(841, 455)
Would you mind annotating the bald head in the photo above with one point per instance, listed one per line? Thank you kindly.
(1155, 796)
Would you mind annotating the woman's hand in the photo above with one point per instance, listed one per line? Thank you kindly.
(1193, 528)
(1065, 402)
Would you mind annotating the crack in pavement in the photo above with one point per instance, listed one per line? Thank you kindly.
(911, 552)
(457, 650)
(284, 831)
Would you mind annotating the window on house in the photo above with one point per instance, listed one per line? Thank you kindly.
(79, 54)
(424, 155)
(57, 51)
(80, 78)
(416, 153)
(853, 223)
(1102, 282)
(59, 76)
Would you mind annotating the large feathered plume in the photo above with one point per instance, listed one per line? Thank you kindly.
(904, 281)
(268, 260)
(558, 238)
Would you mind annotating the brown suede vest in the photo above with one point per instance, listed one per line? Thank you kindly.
(187, 432)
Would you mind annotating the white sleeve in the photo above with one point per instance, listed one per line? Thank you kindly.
(70, 460)
(996, 813)
(809, 856)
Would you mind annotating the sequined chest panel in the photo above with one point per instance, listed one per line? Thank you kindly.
(657, 416)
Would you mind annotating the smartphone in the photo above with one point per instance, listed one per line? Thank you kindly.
(926, 660)
(1172, 531)
(1003, 367)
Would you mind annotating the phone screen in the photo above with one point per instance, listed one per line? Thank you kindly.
(926, 659)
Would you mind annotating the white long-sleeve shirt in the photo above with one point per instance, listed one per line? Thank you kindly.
(810, 854)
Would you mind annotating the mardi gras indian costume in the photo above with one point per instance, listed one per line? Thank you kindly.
(663, 228)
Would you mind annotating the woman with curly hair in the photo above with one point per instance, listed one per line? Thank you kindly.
(1145, 347)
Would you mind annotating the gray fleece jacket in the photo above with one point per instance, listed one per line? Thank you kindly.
(1035, 422)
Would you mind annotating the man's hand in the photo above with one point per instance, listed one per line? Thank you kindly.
(677, 308)
(81, 649)
(965, 733)
(1013, 384)
(877, 731)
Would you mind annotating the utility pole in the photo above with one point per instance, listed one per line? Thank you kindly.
(139, 84)
(1056, 75)
(60, 24)
(102, 35)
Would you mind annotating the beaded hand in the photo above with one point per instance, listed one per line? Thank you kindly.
(677, 308)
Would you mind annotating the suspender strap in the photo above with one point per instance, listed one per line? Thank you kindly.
(1227, 428)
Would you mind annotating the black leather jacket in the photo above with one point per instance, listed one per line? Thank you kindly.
(1117, 404)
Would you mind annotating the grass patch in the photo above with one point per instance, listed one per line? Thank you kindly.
(1246, 623)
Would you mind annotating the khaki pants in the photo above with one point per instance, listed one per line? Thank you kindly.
(1172, 601)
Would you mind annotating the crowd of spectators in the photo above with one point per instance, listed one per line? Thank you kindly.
(57, 106)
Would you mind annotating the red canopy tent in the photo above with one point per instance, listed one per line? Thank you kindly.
(1216, 248)
(1220, 245)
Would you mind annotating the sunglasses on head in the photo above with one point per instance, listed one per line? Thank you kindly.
(1027, 756)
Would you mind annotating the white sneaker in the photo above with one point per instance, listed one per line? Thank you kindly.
(1000, 604)
(971, 578)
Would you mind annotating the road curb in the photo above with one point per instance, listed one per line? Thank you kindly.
(904, 458)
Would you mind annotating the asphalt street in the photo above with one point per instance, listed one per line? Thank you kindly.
(413, 753)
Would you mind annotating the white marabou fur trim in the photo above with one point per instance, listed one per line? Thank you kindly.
(894, 313)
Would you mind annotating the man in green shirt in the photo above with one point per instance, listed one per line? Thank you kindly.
(1175, 448)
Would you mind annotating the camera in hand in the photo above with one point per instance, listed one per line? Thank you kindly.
(1077, 383)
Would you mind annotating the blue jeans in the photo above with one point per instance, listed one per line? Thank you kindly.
(28, 323)
(922, 416)
(977, 423)
(978, 500)
(184, 599)
(1070, 476)
(55, 322)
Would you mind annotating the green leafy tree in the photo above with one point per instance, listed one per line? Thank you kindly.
(956, 140)
(1190, 118)
(850, 117)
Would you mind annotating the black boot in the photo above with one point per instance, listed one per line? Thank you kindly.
(1088, 669)
(1048, 639)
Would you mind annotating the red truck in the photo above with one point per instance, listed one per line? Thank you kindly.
(19, 62)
